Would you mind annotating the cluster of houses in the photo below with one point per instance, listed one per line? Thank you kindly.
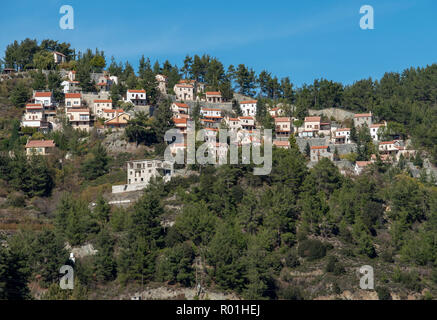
(85, 112)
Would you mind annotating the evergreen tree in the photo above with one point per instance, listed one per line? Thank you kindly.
(97, 164)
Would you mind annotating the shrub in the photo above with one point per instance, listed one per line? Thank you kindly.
(312, 249)
(383, 293)
(291, 260)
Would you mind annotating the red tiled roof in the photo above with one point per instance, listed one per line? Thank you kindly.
(213, 93)
(113, 110)
(387, 142)
(40, 144)
(136, 91)
(178, 121)
(72, 95)
(79, 110)
(344, 129)
(211, 109)
(319, 147)
(181, 85)
(181, 105)
(282, 119)
(360, 115)
(312, 119)
(102, 101)
(363, 163)
(248, 101)
(281, 143)
(247, 118)
(43, 94)
(34, 106)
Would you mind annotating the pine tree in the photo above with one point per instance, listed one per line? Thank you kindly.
(97, 164)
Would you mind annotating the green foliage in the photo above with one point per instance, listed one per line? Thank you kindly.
(312, 249)
(14, 275)
(97, 164)
(20, 94)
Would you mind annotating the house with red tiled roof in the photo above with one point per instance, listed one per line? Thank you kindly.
(109, 114)
(136, 97)
(284, 144)
(375, 131)
(79, 119)
(248, 107)
(283, 127)
(276, 112)
(247, 123)
(312, 124)
(59, 57)
(119, 121)
(184, 91)
(360, 166)
(39, 147)
(213, 97)
(319, 152)
(342, 136)
(73, 100)
(99, 105)
(361, 119)
(43, 97)
(33, 116)
(211, 113)
(179, 108)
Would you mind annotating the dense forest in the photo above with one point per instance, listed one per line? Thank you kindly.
(250, 235)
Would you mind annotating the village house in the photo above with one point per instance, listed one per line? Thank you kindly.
(211, 113)
(181, 124)
(100, 105)
(342, 136)
(248, 108)
(374, 130)
(140, 172)
(276, 112)
(247, 123)
(360, 166)
(162, 83)
(184, 92)
(179, 108)
(44, 98)
(33, 116)
(71, 75)
(73, 100)
(79, 118)
(312, 124)
(233, 124)
(213, 97)
(70, 86)
(109, 114)
(360, 119)
(119, 122)
(284, 144)
(136, 97)
(211, 134)
(387, 147)
(319, 152)
(59, 57)
(39, 147)
(283, 127)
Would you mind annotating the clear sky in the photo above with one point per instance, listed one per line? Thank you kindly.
(300, 39)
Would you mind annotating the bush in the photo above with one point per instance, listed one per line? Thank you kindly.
(291, 260)
(383, 293)
(17, 200)
(312, 249)
(334, 266)
(292, 293)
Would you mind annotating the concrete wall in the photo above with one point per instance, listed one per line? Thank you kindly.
(338, 114)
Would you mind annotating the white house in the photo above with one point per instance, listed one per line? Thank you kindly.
(374, 130)
(34, 115)
(79, 118)
(248, 108)
(342, 135)
(232, 123)
(73, 100)
(70, 86)
(44, 98)
(211, 112)
(312, 124)
(71, 75)
(213, 97)
(360, 166)
(136, 97)
(100, 105)
(109, 114)
(162, 83)
(283, 127)
(179, 108)
(247, 123)
(59, 57)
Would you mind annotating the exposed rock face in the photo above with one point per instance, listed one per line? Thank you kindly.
(83, 251)
(164, 293)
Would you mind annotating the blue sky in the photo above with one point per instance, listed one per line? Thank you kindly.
(300, 39)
